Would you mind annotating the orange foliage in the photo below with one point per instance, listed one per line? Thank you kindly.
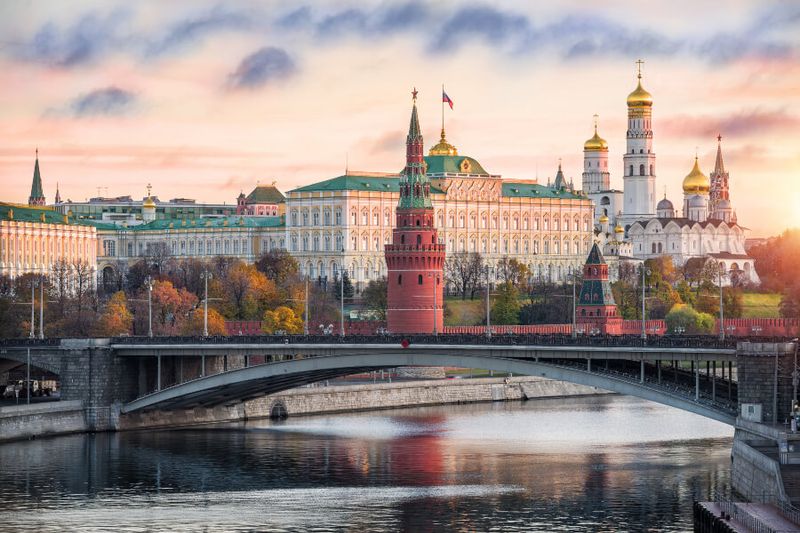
(116, 319)
(194, 325)
(171, 307)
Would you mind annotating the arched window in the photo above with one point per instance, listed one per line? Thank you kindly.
(419, 279)
(400, 279)
(651, 171)
(419, 239)
(630, 171)
(641, 170)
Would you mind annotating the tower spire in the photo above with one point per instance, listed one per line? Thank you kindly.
(719, 166)
(37, 193)
(414, 186)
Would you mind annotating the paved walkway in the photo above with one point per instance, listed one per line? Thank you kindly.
(765, 514)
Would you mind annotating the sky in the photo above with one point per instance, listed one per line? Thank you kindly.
(206, 99)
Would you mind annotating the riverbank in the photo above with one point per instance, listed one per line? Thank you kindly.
(25, 422)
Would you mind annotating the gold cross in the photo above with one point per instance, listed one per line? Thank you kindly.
(148, 189)
(639, 64)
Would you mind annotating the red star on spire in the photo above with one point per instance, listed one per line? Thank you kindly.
(414, 94)
(719, 138)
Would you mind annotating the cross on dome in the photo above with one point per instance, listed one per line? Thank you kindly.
(639, 64)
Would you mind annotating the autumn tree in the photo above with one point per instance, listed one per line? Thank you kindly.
(506, 305)
(195, 323)
(282, 319)
(247, 292)
(116, 319)
(279, 266)
(510, 270)
(171, 308)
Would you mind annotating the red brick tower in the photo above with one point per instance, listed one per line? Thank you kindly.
(596, 308)
(415, 259)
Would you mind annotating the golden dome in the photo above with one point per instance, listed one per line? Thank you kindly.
(443, 148)
(148, 202)
(603, 219)
(695, 181)
(596, 143)
(618, 229)
(639, 97)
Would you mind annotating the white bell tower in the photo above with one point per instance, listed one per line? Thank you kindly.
(639, 173)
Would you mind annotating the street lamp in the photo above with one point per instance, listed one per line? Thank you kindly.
(488, 306)
(41, 307)
(645, 272)
(148, 282)
(205, 275)
(679, 329)
(33, 307)
(720, 268)
(435, 283)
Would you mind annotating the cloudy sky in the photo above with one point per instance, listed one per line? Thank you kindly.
(204, 99)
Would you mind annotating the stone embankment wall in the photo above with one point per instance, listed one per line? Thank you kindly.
(319, 400)
(41, 419)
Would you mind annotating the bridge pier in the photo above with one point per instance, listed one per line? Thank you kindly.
(641, 371)
(714, 381)
(659, 371)
(696, 381)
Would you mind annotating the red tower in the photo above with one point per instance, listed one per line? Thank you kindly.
(415, 259)
(596, 308)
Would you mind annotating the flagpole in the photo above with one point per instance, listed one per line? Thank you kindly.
(443, 108)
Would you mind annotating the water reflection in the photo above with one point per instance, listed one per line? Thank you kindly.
(598, 464)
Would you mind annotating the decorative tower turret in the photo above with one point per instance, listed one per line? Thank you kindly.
(695, 194)
(640, 161)
(241, 204)
(414, 259)
(596, 309)
(37, 194)
(596, 176)
(719, 196)
(148, 207)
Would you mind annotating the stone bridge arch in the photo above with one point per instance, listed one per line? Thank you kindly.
(244, 384)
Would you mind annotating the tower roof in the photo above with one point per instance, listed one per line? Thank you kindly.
(719, 166)
(36, 185)
(595, 256)
(443, 147)
(560, 182)
(639, 97)
(415, 189)
(596, 143)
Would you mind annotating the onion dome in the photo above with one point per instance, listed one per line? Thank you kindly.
(603, 219)
(665, 205)
(639, 97)
(695, 181)
(596, 143)
(618, 229)
(148, 202)
(443, 147)
(697, 201)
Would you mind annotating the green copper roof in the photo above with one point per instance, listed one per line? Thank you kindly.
(534, 190)
(36, 186)
(453, 164)
(266, 194)
(595, 256)
(352, 182)
(596, 292)
(22, 213)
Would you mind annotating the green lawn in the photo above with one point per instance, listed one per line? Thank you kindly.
(760, 305)
(465, 312)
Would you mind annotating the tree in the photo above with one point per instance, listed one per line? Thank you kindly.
(506, 306)
(375, 297)
(194, 324)
(157, 256)
(322, 306)
(733, 302)
(116, 319)
(171, 308)
(349, 291)
(279, 266)
(776, 260)
(509, 270)
(690, 320)
(462, 270)
(549, 303)
(790, 301)
(282, 319)
(247, 292)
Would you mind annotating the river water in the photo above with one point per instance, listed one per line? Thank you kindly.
(609, 463)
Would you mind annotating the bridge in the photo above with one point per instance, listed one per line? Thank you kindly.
(747, 384)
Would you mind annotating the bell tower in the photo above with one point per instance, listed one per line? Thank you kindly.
(415, 259)
(596, 308)
(639, 174)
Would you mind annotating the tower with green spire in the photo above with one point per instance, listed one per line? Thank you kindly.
(37, 194)
(415, 258)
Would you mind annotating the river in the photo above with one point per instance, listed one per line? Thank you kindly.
(609, 463)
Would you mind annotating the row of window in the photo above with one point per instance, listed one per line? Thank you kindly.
(182, 248)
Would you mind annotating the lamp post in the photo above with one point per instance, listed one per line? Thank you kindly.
(148, 282)
(341, 296)
(574, 307)
(720, 268)
(435, 283)
(305, 318)
(205, 275)
(41, 307)
(488, 306)
(645, 272)
(33, 308)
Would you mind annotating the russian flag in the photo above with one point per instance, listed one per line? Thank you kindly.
(446, 98)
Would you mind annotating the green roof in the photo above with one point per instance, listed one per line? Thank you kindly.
(266, 194)
(595, 256)
(196, 223)
(36, 186)
(350, 182)
(534, 190)
(451, 164)
(21, 213)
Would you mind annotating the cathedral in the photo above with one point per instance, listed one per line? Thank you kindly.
(706, 227)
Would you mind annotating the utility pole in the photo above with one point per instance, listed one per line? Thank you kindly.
(341, 296)
(205, 275)
(645, 271)
(41, 307)
(28, 387)
(574, 308)
(149, 284)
